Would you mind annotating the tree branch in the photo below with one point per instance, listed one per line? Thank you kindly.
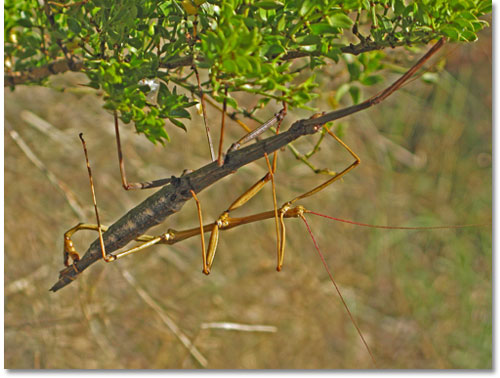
(170, 199)
(58, 66)
(61, 65)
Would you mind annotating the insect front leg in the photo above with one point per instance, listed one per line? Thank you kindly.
(134, 185)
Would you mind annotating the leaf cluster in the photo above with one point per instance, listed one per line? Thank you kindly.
(269, 49)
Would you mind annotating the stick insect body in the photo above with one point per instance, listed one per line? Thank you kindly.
(170, 198)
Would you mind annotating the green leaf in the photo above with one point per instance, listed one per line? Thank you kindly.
(74, 25)
(178, 123)
(354, 70)
(180, 113)
(135, 42)
(232, 102)
(306, 7)
(269, 4)
(355, 93)
(230, 66)
(26, 22)
(324, 28)
(334, 54)
(308, 40)
(243, 63)
(341, 20)
(451, 32)
(399, 7)
(469, 36)
(485, 7)
(281, 24)
(275, 50)
(371, 80)
(341, 91)
(430, 77)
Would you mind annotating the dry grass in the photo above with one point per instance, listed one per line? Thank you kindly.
(422, 298)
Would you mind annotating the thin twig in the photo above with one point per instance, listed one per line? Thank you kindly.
(68, 5)
(60, 65)
(239, 327)
(57, 66)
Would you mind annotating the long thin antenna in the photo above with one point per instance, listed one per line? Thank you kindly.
(338, 290)
(396, 227)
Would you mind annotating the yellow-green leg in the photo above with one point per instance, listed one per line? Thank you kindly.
(288, 205)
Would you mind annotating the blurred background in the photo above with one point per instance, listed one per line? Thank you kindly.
(421, 298)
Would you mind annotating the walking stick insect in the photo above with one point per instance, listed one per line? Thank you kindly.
(225, 222)
(156, 208)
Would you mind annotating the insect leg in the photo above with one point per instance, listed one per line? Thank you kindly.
(286, 206)
(258, 130)
(135, 185)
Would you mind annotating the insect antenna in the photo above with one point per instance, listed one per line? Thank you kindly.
(338, 290)
(396, 227)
